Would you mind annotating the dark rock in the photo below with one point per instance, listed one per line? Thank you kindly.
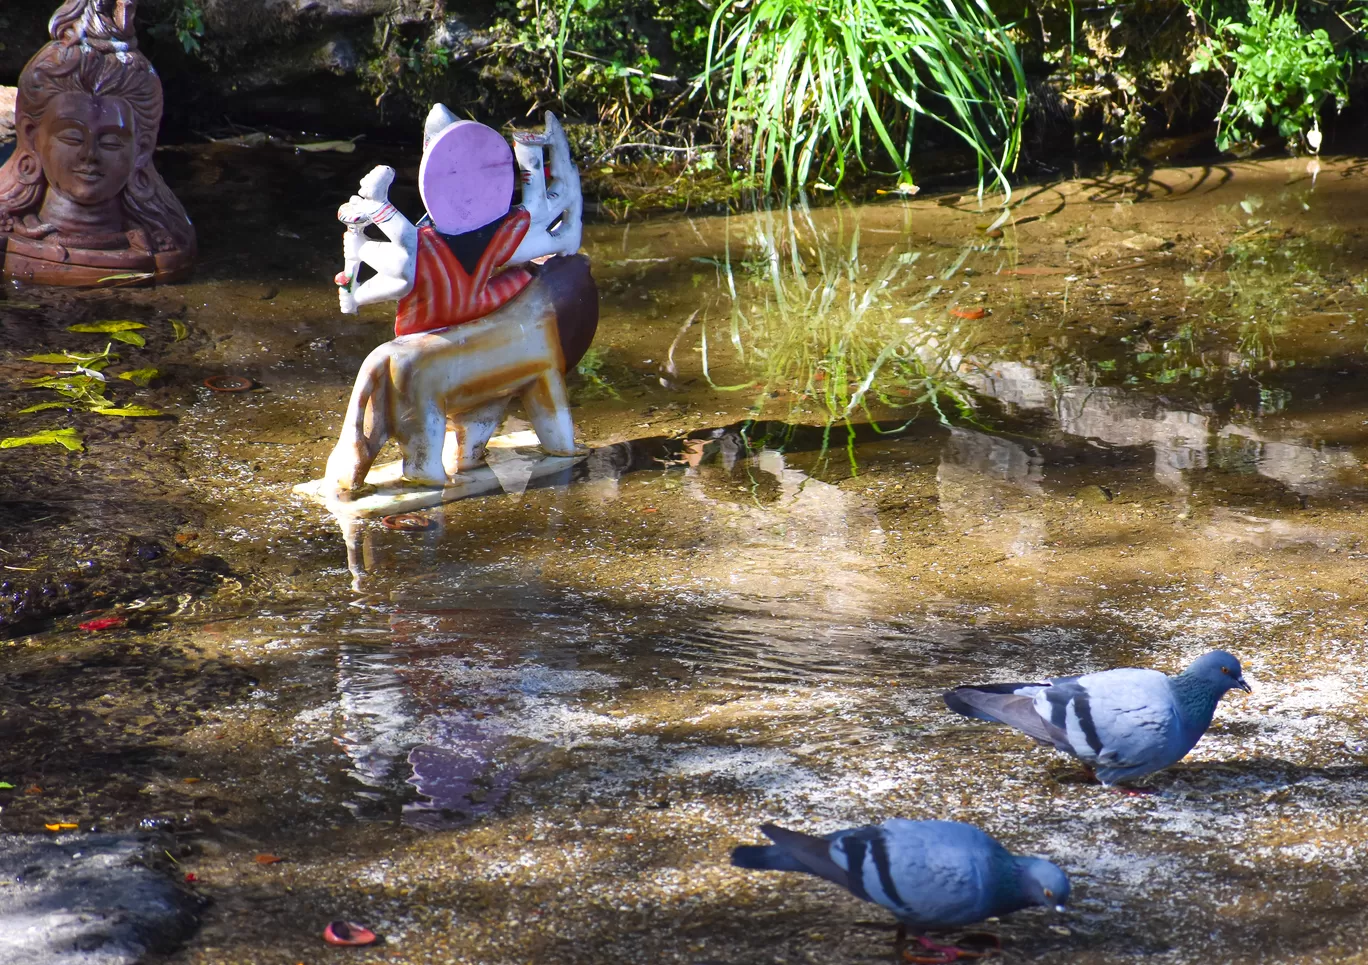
(90, 899)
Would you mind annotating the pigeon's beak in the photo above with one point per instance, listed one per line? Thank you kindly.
(1244, 685)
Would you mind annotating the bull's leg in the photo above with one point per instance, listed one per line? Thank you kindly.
(421, 440)
(364, 432)
(474, 428)
(548, 407)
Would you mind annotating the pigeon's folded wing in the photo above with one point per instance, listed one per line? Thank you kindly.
(1120, 720)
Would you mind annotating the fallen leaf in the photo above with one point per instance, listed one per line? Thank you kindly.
(178, 327)
(125, 276)
(1036, 270)
(128, 411)
(190, 878)
(107, 327)
(6, 786)
(132, 338)
(140, 376)
(64, 358)
(969, 313)
(33, 789)
(103, 623)
(69, 438)
(44, 406)
(268, 858)
(190, 780)
(64, 826)
(341, 147)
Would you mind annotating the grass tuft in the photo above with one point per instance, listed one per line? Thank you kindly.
(820, 82)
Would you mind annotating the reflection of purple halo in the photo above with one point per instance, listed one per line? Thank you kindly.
(451, 777)
(466, 178)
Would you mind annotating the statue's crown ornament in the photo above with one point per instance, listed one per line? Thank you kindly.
(103, 25)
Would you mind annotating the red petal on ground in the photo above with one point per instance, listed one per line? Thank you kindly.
(347, 933)
(103, 623)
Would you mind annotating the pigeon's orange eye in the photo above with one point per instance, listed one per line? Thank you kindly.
(1225, 670)
(1049, 893)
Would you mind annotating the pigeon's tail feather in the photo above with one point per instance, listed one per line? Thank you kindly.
(762, 857)
(977, 702)
(813, 853)
(1002, 704)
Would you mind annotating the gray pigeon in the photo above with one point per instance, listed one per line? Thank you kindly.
(930, 874)
(1123, 723)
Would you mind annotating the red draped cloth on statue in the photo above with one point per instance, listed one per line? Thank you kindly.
(444, 293)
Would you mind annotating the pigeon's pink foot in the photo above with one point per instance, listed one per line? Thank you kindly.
(944, 954)
(1135, 791)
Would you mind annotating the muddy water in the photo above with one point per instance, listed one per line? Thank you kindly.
(533, 732)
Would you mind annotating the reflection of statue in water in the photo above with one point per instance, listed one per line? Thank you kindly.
(80, 200)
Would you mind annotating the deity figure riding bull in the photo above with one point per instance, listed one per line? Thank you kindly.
(494, 302)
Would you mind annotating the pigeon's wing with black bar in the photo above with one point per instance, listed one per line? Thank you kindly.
(812, 854)
(1010, 704)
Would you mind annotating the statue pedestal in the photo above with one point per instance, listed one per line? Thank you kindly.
(49, 263)
(514, 462)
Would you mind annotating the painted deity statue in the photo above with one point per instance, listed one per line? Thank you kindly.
(80, 200)
(494, 302)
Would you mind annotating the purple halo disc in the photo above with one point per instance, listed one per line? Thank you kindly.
(466, 178)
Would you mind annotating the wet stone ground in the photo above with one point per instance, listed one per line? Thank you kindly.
(534, 732)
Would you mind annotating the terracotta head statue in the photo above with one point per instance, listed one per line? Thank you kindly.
(87, 116)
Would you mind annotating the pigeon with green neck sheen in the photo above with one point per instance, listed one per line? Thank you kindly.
(1122, 723)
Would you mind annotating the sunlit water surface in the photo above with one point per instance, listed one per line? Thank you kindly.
(533, 732)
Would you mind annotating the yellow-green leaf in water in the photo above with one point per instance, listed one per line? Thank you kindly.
(69, 438)
(341, 147)
(179, 328)
(125, 276)
(132, 338)
(140, 376)
(68, 358)
(117, 326)
(44, 406)
(128, 410)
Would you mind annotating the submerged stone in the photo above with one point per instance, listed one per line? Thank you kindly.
(89, 899)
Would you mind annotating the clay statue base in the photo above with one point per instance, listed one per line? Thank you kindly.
(512, 463)
(49, 263)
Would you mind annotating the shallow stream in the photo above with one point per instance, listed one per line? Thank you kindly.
(534, 732)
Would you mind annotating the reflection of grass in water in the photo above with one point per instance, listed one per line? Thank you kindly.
(590, 368)
(1266, 277)
(819, 327)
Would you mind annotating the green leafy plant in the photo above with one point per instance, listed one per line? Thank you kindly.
(820, 81)
(812, 323)
(1278, 75)
(590, 368)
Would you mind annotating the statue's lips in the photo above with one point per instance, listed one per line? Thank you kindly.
(90, 177)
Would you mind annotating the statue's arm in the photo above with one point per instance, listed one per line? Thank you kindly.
(395, 261)
(552, 198)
